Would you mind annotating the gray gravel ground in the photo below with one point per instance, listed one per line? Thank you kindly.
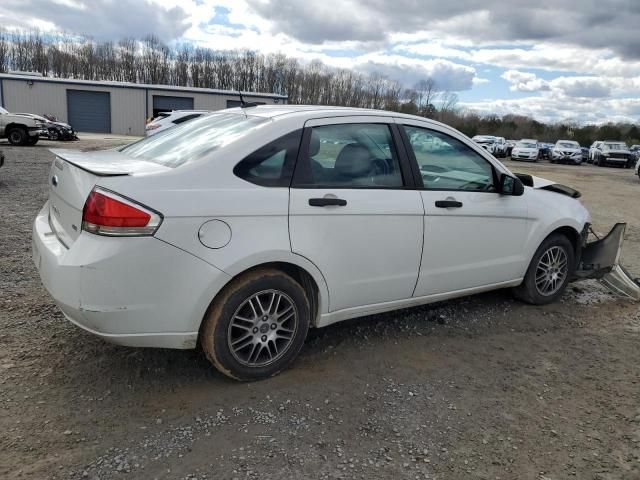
(477, 388)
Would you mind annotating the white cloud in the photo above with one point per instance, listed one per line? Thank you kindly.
(524, 82)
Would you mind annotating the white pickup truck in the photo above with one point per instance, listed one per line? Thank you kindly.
(21, 129)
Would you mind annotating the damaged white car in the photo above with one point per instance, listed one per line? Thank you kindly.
(243, 229)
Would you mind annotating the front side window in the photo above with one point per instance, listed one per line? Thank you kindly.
(271, 165)
(354, 155)
(448, 164)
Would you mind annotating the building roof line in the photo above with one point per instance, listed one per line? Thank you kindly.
(114, 84)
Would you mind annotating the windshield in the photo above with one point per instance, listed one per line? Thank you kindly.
(527, 145)
(567, 145)
(192, 140)
(616, 146)
(3, 111)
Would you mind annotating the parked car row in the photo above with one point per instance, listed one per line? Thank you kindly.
(601, 153)
(28, 128)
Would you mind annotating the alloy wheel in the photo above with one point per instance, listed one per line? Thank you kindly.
(552, 270)
(262, 328)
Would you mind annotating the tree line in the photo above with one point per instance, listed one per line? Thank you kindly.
(150, 61)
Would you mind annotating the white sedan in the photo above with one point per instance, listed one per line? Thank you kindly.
(245, 228)
(167, 120)
(526, 150)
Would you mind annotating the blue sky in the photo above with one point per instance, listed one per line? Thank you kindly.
(556, 60)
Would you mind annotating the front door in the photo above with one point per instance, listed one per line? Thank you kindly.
(351, 214)
(473, 235)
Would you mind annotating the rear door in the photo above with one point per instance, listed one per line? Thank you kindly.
(352, 214)
(473, 236)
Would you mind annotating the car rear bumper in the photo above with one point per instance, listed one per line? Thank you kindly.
(137, 291)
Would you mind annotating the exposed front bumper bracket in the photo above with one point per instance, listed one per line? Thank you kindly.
(600, 260)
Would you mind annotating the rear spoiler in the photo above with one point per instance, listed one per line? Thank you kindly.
(106, 163)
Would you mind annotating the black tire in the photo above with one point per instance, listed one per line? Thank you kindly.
(32, 140)
(217, 332)
(17, 136)
(54, 135)
(528, 291)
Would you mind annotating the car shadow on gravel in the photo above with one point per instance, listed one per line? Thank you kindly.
(99, 364)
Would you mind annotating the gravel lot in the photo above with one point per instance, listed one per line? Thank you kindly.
(478, 388)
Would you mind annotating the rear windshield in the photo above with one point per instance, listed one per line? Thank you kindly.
(192, 140)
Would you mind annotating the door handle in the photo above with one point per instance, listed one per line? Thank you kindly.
(327, 202)
(448, 204)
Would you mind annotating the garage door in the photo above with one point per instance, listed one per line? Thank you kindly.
(89, 111)
(164, 103)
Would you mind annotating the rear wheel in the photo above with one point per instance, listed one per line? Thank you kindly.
(257, 325)
(17, 136)
(549, 271)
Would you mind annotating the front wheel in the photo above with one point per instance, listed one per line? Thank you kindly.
(549, 271)
(17, 136)
(257, 325)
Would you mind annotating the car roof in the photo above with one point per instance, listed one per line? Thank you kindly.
(188, 111)
(308, 112)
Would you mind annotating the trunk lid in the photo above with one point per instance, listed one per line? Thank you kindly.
(73, 175)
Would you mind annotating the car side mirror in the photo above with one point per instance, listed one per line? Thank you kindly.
(510, 185)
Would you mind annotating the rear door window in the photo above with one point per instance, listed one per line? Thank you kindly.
(356, 155)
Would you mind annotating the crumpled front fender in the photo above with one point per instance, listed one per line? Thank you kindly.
(601, 259)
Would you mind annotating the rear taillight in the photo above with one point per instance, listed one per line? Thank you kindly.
(107, 213)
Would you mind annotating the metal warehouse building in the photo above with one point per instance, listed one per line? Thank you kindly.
(112, 107)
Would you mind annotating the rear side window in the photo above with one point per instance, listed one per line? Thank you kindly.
(272, 164)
